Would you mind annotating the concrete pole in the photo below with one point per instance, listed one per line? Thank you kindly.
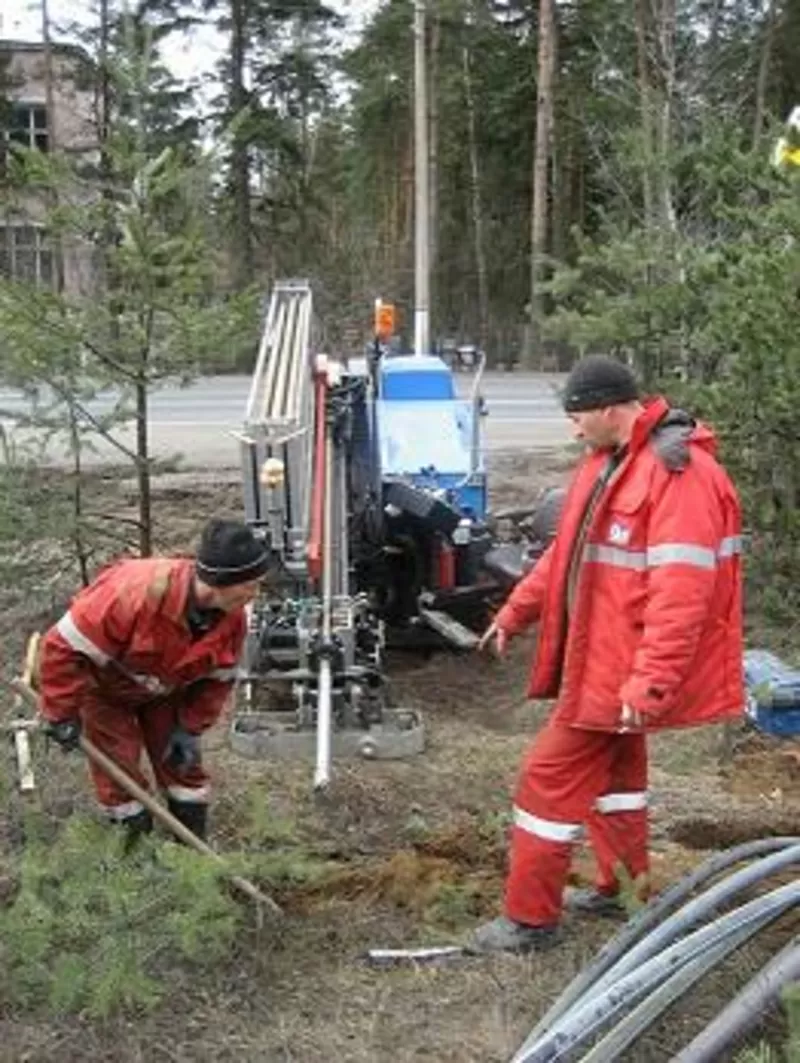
(421, 193)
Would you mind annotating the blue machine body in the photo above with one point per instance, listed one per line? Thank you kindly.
(427, 435)
(773, 693)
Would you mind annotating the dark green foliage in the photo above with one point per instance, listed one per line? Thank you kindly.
(92, 930)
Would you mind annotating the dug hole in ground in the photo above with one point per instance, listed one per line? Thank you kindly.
(397, 854)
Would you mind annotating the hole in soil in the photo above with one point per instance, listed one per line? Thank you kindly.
(699, 833)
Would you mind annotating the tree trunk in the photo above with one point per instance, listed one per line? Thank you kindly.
(541, 168)
(142, 439)
(646, 109)
(106, 165)
(143, 470)
(763, 74)
(240, 162)
(475, 189)
(81, 551)
(666, 77)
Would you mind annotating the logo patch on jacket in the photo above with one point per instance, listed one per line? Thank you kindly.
(618, 534)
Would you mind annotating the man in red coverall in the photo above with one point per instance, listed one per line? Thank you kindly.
(145, 659)
(638, 601)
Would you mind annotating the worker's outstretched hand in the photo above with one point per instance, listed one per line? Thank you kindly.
(496, 634)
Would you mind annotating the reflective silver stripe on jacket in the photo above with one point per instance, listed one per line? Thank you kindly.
(224, 675)
(703, 557)
(150, 683)
(616, 556)
(730, 546)
(627, 802)
(549, 829)
(681, 554)
(74, 637)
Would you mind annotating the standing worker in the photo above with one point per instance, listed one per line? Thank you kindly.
(145, 659)
(640, 610)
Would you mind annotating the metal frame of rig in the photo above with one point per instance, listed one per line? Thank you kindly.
(366, 478)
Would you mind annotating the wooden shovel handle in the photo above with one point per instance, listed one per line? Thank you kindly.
(157, 810)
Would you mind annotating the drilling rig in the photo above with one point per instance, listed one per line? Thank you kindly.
(366, 478)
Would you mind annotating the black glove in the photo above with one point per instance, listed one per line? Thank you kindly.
(66, 732)
(183, 750)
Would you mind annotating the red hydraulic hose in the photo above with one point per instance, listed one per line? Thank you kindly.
(318, 486)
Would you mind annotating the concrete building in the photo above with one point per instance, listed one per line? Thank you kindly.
(44, 113)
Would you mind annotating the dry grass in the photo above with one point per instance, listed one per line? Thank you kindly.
(415, 854)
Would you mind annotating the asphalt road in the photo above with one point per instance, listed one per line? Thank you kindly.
(196, 423)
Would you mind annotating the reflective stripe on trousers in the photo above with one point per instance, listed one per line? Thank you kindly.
(625, 802)
(199, 795)
(573, 779)
(126, 810)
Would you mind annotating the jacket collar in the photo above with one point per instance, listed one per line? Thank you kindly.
(655, 409)
(177, 575)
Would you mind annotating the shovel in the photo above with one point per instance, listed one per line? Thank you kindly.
(156, 809)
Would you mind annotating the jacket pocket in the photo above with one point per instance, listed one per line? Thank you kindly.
(628, 497)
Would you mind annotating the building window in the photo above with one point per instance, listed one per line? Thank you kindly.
(26, 254)
(27, 126)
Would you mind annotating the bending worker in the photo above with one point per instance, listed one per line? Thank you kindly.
(638, 600)
(145, 659)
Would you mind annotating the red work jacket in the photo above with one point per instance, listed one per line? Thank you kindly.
(655, 620)
(126, 641)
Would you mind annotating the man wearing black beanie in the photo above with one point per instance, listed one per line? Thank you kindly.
(145, 660)
(638, 602)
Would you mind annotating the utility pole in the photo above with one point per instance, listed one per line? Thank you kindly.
(421, 192)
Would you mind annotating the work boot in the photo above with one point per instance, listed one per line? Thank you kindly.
(592, 901)
(135, 827)
(505, 935)
(192, 814)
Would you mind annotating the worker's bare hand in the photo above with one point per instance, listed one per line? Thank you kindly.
(630, 719)
(498, 635)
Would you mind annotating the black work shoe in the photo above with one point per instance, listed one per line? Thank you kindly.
(504, 935)
(592, 902)
(192, 814)
(135, 827)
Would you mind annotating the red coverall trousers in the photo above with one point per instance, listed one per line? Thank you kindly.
(124, 733)
(571, 778)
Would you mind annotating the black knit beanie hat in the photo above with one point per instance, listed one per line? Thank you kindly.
(598, 381)
(230, 553)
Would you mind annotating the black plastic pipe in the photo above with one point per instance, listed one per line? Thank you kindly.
(745, 1009)
(636, 1022)
(691, 914)
(586, 1017)
(648, 918)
